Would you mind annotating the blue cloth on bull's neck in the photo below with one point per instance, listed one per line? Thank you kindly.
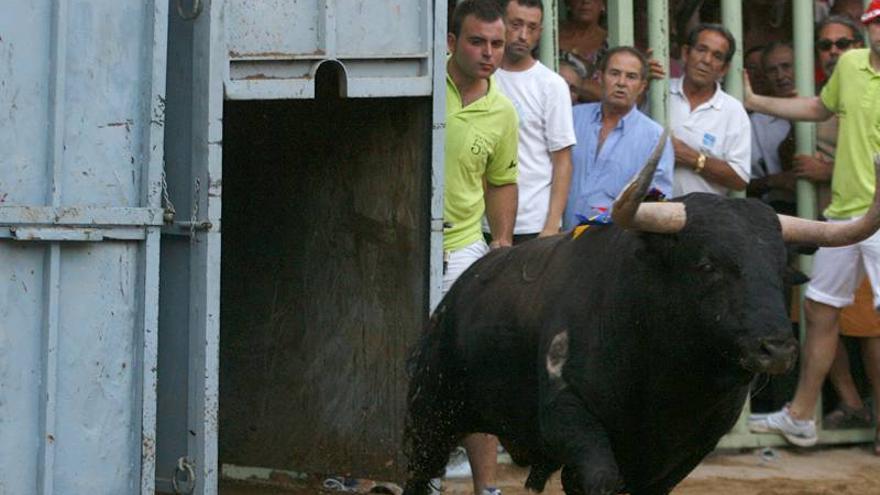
(601, 216)
(598, 178)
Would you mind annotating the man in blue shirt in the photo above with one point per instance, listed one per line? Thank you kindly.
(614, 139)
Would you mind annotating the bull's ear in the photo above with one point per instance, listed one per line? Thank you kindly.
(794, 276)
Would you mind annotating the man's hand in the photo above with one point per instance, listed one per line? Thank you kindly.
(499, 244)
(783, 180)
(548, 232)
(748, 94)
(685, 156)
(655, 67)
(812, 168)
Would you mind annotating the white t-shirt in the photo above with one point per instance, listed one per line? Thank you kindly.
(719, 128)
(543, 104)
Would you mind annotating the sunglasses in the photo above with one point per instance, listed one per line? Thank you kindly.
(842, 44)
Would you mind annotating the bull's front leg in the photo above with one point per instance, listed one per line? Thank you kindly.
(581, 444)
(570, 433)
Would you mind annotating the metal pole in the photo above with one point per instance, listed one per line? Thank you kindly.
(658, 40)
(549, 42)
(731, 17)
(805, 132)
(804, 136)
(620, 22)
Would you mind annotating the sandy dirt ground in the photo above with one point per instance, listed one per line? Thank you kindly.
(838, 471)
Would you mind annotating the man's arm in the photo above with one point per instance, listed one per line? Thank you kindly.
(501, 204)
(561, 182)
(782, 181)
(794, 108)
(714, 169)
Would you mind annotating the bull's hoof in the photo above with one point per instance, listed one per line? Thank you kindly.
(590, 481)
(538, 476)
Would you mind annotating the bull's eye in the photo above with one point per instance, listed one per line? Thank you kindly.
(706, 267)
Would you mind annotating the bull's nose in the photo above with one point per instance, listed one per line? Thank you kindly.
(779, 347)
(781, 353)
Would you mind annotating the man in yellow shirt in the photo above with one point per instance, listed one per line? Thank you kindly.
(480, 167)
(853, 93)
(481, 140)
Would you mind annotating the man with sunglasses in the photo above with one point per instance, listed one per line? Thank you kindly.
(853, 93)
(834, 36)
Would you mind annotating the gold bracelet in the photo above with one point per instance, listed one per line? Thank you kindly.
(701, 162)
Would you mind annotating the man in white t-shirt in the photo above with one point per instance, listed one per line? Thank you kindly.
(546, 133)
(710, 128)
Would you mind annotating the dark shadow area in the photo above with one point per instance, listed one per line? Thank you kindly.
(326, 208)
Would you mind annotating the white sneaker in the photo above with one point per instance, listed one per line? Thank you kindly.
(800, 432)
(491, 491)
(458, 465)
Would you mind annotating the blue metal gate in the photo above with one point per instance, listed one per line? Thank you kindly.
(81, 139)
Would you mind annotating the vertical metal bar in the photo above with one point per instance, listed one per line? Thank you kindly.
(731, 17)
(658, 40)
(156, 37)
(147, 343)
(204, 326)
(58, 73)
(48, 390)
(804, 132)
(52, 267)
(620, 22)
(438, 136)
(327, 27)
(804, 136)
(549, 41)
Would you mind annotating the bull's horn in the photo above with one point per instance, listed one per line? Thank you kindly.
(825, 234)
(628, 211)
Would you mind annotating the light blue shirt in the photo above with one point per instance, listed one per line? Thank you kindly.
(597, 178)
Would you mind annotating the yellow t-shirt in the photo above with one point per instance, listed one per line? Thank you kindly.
(853, 92)
(481, 141)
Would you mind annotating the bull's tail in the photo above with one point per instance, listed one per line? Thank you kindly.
(434, 403)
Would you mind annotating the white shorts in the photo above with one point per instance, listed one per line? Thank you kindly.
(837, 272)
(458, 261)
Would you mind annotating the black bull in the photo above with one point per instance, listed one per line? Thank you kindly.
(621, 356)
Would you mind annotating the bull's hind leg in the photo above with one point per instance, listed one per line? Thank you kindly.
(581, 443)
